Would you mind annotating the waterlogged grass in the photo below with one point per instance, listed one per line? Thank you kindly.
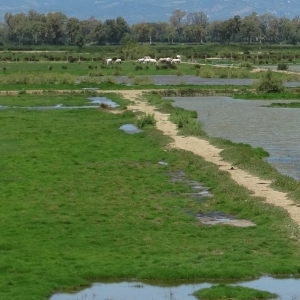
(82, 201)
(232, 292)
(33, 100)
(289, 94)
(287, 105)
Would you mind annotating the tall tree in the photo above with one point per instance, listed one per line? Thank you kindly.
(250, 27)
(56, 29)
(177, 21)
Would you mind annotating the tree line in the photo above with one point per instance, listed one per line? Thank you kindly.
(55, 28)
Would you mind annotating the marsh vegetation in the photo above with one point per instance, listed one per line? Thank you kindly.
(75, 187)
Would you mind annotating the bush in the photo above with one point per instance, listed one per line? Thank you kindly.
(282, 66)
(147, 119)
(246, 65)
(269, 84)
(142, 80)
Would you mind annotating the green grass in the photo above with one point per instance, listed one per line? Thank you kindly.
(81, 200)
(288, 94)
(23, 100)
(232, 292)
(285, 105)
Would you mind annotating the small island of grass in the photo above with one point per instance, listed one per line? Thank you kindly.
(223, 291)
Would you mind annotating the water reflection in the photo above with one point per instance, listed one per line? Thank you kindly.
(196, 80)
(95, 101)
(286, 289)
(246, 121)
(130, 128)
(103, 100)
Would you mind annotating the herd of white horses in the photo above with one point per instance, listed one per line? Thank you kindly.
(147, 60)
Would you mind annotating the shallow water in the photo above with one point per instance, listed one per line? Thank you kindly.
(96, 101)
(195, 80)
(130, 128)
(103, 100)
(286, 289)
(246, 121)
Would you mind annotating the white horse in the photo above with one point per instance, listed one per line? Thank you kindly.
(150, 61)
(165, 60)
(140, 60)
(108, 61)
(118, 61)
(175, 61)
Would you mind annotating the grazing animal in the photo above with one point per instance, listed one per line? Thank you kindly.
(165, 60)
(118, 61)
(150, 61)
(140, 60)
(175, 61)
(108, 61)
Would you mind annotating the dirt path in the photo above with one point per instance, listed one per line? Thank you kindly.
(211, 153)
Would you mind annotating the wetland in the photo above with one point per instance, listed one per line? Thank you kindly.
(83, 202)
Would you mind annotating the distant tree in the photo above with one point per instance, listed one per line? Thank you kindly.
(100, 33)
(142, 32)
(73, 28)
(177, 21)
(88, 28)
(250, 27)
(171, 33)
(56, 29)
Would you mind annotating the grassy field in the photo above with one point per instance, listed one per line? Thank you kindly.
(82, 200)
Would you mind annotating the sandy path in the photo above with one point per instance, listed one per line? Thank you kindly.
(211, 153)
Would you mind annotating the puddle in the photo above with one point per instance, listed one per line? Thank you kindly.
(215, 218)
(103, 100)
(90, 89)
(96, 101)
(199, 192)
(286, 289)
(163, 163)
(130, 128)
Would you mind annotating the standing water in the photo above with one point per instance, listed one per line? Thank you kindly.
(286, 289)
(246, 121)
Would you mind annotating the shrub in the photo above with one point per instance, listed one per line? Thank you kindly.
(282, 66)
(246, 65)
(130, 75)
(138, 68)
(269, 84)
(142, 80)
(147, 119)
(22, 92)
